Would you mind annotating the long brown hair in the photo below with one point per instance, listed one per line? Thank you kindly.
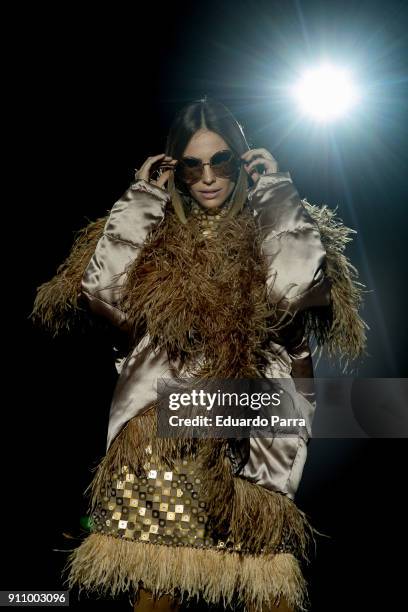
(212, 115)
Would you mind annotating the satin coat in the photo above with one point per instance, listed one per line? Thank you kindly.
(296, 279)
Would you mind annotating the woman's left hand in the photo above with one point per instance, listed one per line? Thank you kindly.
(262, 158)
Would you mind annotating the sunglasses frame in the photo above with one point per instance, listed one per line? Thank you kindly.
(200, 166)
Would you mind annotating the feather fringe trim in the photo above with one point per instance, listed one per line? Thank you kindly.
(250, 514)
(206, 298)
(338, 328)
(276, 517)
(129, 448)
(109, 565)
(235, 505)
(57, 303)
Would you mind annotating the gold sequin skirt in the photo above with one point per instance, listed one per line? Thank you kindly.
(152, 527)
(158, 506)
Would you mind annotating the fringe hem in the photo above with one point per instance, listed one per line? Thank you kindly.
(234, 504)
(108, 565)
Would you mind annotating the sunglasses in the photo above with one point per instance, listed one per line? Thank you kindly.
(225, 164)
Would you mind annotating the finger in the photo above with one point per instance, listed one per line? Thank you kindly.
(152, 160)
(255, 176)
(168, 164)
(257, 162)
(162, 180)
(266, 153)
(249, 155)
(269, 166)
(144, 172)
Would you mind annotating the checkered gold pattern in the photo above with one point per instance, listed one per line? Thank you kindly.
(158, 506)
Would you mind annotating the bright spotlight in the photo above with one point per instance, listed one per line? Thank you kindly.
(325, 93)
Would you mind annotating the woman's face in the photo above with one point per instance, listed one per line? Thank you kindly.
(203, 145)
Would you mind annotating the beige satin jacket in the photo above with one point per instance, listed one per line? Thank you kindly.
(296, 258)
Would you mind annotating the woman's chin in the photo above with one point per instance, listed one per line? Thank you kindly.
(211, 204)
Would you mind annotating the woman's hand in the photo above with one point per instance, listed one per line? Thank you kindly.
(262, 158)
(156, 165)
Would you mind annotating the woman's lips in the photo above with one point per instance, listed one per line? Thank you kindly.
(209, 195)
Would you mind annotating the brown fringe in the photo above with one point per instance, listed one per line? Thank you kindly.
(247, 513)
(263, 519)
(128, 448)
(57, 304)
(338, 328)
(109, 565)
(203, 297)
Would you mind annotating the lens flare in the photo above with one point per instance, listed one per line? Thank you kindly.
(325, 93)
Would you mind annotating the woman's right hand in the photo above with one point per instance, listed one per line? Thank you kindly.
(156, 164)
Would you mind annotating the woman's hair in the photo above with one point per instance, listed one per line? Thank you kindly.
(214, 116)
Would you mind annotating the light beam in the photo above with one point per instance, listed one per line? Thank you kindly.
(325, 93)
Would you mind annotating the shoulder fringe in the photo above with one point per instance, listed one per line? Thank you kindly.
(235, 504)
(339, 327)
(57, 304)
(109, 565)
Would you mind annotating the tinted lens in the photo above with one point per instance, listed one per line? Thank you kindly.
(189, 169)
(224, 164)
(191, 162)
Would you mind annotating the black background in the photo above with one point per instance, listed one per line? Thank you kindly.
(94, 93)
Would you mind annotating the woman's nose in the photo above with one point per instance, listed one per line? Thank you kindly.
(208, 174)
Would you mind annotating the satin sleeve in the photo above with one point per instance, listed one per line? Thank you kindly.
(131, 218)
(291, 244)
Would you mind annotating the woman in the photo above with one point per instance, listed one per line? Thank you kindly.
(210, 266)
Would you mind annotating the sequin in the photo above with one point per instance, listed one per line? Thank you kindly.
(167, 507)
